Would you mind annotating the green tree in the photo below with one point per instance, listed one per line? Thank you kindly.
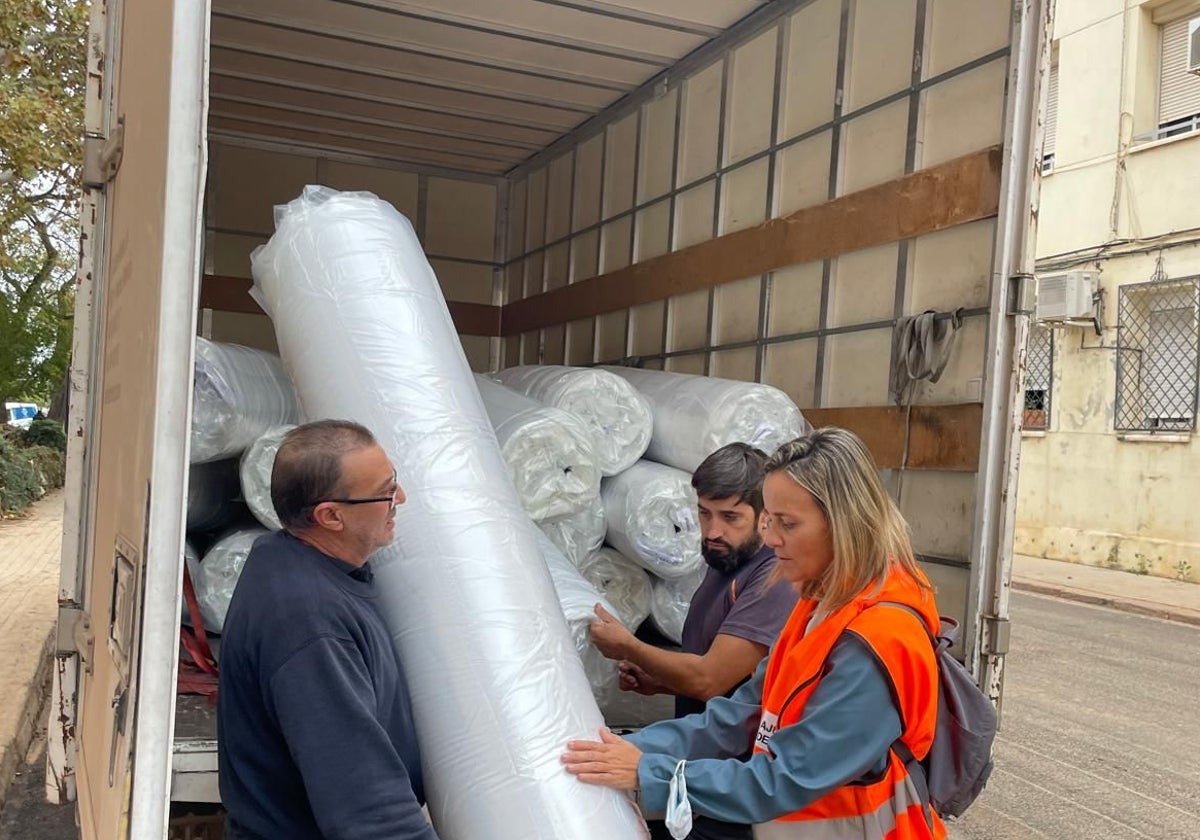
(42, 82)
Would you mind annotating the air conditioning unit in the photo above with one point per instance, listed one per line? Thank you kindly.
(1193, 51)
(1064, 297)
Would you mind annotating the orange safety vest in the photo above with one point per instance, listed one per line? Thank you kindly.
(884, 808)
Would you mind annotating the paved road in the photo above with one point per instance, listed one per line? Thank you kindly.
(1100, 735)
(1100, 740)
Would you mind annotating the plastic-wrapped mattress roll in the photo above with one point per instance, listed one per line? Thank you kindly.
(669, 602)
(214, 497)
(614, 412)
(652, 520)
(255, 471)
(579, 534)
(496, 686)
(696, 415)
(191, 559)
(624, 583)
(218, 574)
(549, 452)
(239, 393)
(578, 598)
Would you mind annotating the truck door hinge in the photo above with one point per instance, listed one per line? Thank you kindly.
(995, 635)
(102, 156)
(1022, 294)
(75, 635)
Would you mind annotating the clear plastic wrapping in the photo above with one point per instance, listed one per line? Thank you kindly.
(255, 472)
(696, 415)
(670, 600)
(579, 534)
(652, 518)
(617, 416)
(578, 599)
(624, 583)
(239, 393)
(497, 687)
(550, 454)
(218, 573)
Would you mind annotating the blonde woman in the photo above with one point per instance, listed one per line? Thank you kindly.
(808, 747)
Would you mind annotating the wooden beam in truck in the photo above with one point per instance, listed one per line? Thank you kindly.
(940, 437)
(232, 294)
(959, 191)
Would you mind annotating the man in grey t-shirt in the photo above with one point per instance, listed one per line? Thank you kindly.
(735, 615)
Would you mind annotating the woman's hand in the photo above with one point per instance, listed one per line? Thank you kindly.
(611, 761)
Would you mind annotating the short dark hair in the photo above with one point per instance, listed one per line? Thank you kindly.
(733, 471)
(308, 467)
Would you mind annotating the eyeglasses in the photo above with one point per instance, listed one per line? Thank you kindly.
(392, 500)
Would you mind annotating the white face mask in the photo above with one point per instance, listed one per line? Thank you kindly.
(679, 810)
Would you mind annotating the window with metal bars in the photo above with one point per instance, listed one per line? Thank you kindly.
(1039, 373)
(1158, 355)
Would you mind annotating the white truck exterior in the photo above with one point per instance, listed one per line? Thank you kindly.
(753, 190)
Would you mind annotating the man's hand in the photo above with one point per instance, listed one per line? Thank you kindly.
(634, 678)
(611, 761)
(610, 636)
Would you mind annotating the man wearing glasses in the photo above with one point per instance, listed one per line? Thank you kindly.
(315, 732)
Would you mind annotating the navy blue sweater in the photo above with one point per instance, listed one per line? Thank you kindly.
(315, 732)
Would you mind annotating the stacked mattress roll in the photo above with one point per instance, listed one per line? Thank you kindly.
(696, 415)
(255, 471)
(623, 583)
(218, 574)
(550, 455)
(239, 393)
(652, 518)
(579, 534)
(615, 414)
(670, 601)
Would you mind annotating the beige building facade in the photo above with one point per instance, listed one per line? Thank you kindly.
(1110, 461)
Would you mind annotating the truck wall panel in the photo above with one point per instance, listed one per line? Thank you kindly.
(802, 174)
(736, 310)
(751, 97)
(795, 304)
(880, 50)
(392, 185)
(873, 148)
(850, 378)
(585, 255)
(554, 345)
(809, 84)
(581, 340)
(588, 182)
(734, 364)
(610, 340)
(952, 268)
(864, 286)
(700, 121)
(535, 273)
(646, 329)
(791, 366)
(693, 364)
(558, 265)
(694, 215)
(615, 243)
(535, 210)
(460, 219)
(960, 32)
(249, 183)
(656, 150)
(558, 196)
(653, 238)
(518, 209)
(744, 196)
(688, 321)
(938, 507)
(959, 114)
(620, 161)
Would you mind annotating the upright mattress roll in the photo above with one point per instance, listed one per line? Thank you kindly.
(255, 472)
(624, 583)
(670, 601)
(549, 452)
(617, 416)
(239, 393)
(696, 415)
(496, 685)
(652, 518)
(578, 599)
(579, 534)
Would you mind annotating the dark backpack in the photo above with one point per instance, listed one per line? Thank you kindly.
(954, 773)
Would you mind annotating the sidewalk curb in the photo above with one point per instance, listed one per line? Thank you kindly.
(33, 710)
(1121, 604)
